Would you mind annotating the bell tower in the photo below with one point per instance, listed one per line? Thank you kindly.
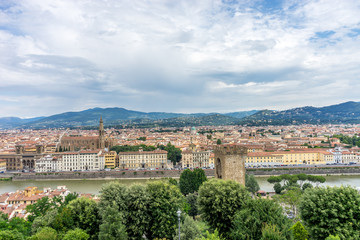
(101, 134)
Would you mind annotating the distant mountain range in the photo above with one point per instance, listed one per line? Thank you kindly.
(348, 112)
(121, 116)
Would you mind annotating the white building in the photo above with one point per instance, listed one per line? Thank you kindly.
(48, 163)
(83, 161)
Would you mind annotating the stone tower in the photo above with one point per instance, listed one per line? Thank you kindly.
(230, 162)
(101, 134)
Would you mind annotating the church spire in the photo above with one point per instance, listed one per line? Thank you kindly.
(101, 134)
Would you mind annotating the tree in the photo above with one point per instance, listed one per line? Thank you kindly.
(76, 234)
(191, 199)
(40, 207)
(218, 142)
(187, 182)
(278, 188)
(112, 227)
(85, 214)
(189, 230)
(302, 177)
(69, 198)
(331, 210)
(63, 220)
(218, 202)
(306, 185)
(45, 233)
(249, 221)
(332, 237)
(199, 177)
(11, 235)
(137, 213)
(174, 154)
(270, 232)
(299, 232)
(316, 179)
(210, 236)
(44, 221)
(190, 181)
(15, 224)
(291, 198)
(113, 194)
(251, 184)
(164, 201)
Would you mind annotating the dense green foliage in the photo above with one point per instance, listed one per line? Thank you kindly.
(76, 234)
(333, 210)
(218, 202)
(352, 141)
(46, 233)
(85, 214)
(191, 200)
(251, 184)
(190, 181)
(127, 148)
(227, 212)
(286, 181)
(299, 232)
(147, 210)
(249, 221)
(270, 232)
(174, 154)
(189, 230)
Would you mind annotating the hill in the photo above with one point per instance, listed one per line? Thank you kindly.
(121, 116)
(348, 112)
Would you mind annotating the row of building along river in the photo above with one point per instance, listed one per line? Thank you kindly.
(94, 186)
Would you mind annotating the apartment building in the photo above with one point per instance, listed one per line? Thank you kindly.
(83, 161)
(110, 159)
(196, 159)
(143, 159)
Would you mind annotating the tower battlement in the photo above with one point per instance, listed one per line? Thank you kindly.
(230, 150)
(230, 162)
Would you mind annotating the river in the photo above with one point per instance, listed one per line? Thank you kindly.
(94, 186)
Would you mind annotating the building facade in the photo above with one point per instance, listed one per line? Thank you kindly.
(77, 143)
(83, 161)
(143, 160)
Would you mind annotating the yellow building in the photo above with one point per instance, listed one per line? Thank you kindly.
(110, 159)
(143, 159)
(212, 160)
(255, 159)
(2, 165)
(285, 158)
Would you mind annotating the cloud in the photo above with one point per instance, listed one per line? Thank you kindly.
(186, 56)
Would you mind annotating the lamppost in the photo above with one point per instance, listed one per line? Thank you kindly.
(179, 215)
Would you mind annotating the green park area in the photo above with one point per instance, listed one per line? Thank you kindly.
(210, 209)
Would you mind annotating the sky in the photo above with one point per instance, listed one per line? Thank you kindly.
(177, 56)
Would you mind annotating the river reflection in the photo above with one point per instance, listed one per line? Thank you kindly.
(94, 186)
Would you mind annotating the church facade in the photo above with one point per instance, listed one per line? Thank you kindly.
(76, 143)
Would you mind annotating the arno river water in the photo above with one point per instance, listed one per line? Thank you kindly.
(94, 186)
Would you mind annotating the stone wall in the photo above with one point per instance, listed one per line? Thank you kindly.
(105, 175)
(175, 173)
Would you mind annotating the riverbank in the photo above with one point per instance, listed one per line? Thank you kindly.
(110, 175)
(94, 186)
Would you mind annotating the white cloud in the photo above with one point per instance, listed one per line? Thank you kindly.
(177, 55)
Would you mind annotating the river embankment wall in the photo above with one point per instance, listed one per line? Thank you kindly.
(176, 173)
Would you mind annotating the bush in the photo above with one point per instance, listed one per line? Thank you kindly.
(331, 210)
(249, 221)
(218, 202)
